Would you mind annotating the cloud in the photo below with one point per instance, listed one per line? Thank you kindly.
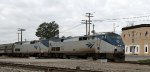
(29, 14)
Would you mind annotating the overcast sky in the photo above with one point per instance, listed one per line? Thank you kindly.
(29, 14)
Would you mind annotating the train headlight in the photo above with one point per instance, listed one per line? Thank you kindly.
(119, 45)
(98, 48)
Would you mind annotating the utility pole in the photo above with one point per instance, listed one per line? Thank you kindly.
(18, 36)
(93, 29)
(85, 22)
(20, 29)
(89, 15)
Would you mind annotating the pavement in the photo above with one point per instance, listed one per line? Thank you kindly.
(135, 57)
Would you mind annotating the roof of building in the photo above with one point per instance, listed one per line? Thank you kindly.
(136, 26)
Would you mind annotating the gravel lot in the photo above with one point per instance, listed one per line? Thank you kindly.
(83, 64)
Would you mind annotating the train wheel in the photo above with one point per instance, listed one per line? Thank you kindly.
(49, 55)
(95, 56)
(68, 57)
(61, 55)
(119, 57)
(64, 56)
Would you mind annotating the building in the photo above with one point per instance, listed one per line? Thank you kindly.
(137, 39)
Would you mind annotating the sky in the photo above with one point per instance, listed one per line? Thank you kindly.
(29, 14)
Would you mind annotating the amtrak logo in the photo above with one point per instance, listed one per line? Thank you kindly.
(90, 44)
(35, 47)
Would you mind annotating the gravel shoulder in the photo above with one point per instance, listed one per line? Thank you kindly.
(83, 64)
(8, 69)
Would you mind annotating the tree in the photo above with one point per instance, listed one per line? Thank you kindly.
(48, 30)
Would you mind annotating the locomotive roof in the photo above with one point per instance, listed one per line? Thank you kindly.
(101, 33)
(77, 37)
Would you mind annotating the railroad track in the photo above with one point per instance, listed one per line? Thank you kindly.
(42, 68)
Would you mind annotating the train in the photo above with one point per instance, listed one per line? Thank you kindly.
(107, 45)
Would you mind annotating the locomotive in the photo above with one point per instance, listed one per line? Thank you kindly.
(106, 45)
(29, 48)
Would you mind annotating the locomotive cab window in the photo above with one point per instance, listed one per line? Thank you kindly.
(32, 42)
(17, 49)
(93, 37)
(62, 40)
(55, 48)
(5, 46)
(82, 38)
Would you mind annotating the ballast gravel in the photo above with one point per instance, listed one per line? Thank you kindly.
(80, 63)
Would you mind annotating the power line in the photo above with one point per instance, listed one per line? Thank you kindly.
(125, 18)
(71, 28)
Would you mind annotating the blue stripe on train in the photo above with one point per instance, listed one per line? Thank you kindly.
(45, 42)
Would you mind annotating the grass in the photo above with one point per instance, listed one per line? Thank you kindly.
(144, 61)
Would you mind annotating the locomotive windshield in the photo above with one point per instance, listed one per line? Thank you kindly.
(112, 38)
(115, 39)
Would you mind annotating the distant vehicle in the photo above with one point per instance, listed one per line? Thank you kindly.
(106, 45)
